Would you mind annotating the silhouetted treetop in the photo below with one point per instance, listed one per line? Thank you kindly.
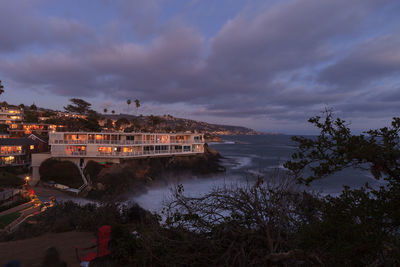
(79, 106)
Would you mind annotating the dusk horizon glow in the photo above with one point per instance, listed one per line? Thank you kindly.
(266, 65)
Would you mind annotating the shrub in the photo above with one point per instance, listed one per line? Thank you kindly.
(9, 218)
(93, 169)
(62, 172)
(8, 179)
(20, 200)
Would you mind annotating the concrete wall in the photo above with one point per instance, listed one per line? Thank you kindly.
(37, 160)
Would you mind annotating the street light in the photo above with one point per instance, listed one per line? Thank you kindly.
(27, 178)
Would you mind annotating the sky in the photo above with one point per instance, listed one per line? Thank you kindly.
(267, 65)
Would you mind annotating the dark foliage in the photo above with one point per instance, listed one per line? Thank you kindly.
(31, 116)
(79, 106)
(62, 172)
(8, 179)
(76, 124)
(92, 169)
(361, 226)
(120, 122)
(4, 128)
(336, 148)
(20, 200)
(67, 216)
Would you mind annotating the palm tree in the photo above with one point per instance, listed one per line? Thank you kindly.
(1, 88)
(128, 102)
(105, 110)
(137, 104)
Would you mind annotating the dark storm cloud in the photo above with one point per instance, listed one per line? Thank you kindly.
(285, 61)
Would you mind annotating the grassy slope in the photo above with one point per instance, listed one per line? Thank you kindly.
(9, 218)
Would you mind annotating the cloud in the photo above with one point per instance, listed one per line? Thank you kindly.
(139, 16)
(372, 59)
(22, 26)
(283, 62)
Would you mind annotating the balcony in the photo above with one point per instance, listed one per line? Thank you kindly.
(144, 153)
(70, 153)
(121, 142)
(13, 153)
(20, 163)
(115, 154)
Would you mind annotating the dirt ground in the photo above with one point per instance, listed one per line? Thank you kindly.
(30, 252)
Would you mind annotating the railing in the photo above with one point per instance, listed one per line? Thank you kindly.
(77, 153)
(13, 153)
(21, 163)
(145, 153)
(122, 142)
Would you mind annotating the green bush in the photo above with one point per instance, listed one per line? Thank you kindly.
(19, 201)
(10, 180)
(62, 172)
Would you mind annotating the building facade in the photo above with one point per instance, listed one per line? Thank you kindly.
(17, 151)
(22, 129)
(10, 115)
(123, 145)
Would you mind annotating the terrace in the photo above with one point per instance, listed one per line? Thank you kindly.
(124, 145)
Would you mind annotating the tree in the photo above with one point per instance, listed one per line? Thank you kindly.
(31, 116)
(120, 122)
(109, 124)
(33, 107)
(90, 124)
(105, 110)
(336, 148)
(137, 104)
(246, 225)
(154, 120)
(360, 226)
(128, 102)
(79, 106)
(113, 112)
(136, 124)
(1, 88)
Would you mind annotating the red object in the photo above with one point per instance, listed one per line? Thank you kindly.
(31, 192)
(104, 236)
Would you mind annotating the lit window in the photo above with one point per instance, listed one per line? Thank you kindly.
(32, 147)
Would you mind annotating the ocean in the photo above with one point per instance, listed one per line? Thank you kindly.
(245, 157)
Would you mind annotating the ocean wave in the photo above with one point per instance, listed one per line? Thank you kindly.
(241, 162)
(280, 166)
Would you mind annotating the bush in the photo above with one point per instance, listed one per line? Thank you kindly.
(92, 169)
(67, 216)
(8, 179)
(9, 218)
(62, 172)
(19, 201)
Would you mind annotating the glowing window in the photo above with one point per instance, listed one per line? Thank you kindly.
(32, 147)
